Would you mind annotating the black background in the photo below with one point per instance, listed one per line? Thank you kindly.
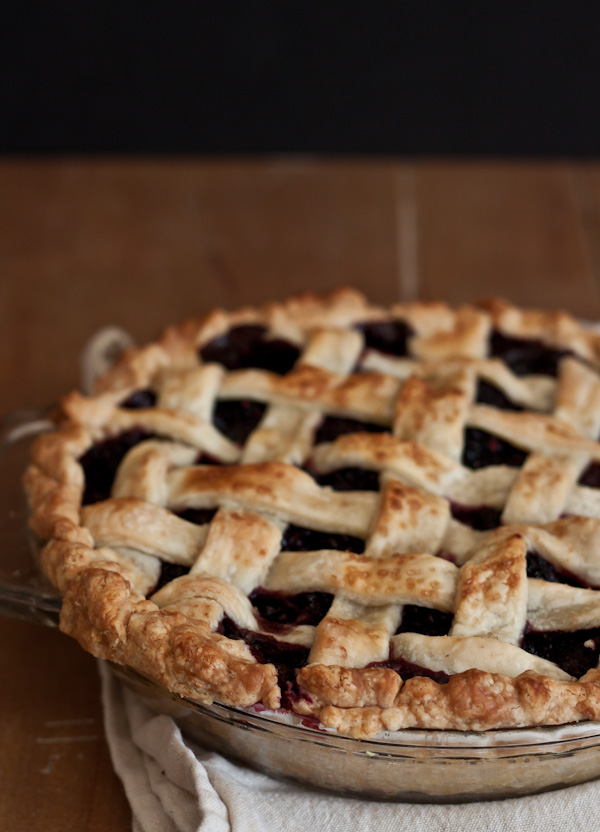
(422, 78)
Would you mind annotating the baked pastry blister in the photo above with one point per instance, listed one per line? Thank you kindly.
(376, 519)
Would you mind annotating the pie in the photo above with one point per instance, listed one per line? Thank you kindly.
(374, 518)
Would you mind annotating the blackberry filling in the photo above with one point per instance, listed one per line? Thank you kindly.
(333, 426)
(481, 518)
(390, 336)
(246, 346)
(427, 622)
(537, 567)
(101, 462)
(236, 419)
(489, 394)
(591, 475)
(139, 400)
(286, 657)
(207, 459)
(575, 653)
(526, 356)
(299, 539)
(280, 611)
(200, 516)
(350, 479)
(168, 573)
(482, 449)
(407, 670)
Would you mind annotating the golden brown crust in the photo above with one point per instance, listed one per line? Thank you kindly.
(346, 687)
(109, 620)
(87, 551)
(470, 701)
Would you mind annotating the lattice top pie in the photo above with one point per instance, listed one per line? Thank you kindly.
(376, 518)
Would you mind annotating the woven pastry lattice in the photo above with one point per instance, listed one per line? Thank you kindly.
(363, 496)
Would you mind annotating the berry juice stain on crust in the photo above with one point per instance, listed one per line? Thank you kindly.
(245, 347)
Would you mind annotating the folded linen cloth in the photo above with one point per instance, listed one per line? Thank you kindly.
(174, 785)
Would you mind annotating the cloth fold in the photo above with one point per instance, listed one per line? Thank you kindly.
(174, 785)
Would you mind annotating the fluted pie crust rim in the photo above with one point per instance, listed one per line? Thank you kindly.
(171, 637)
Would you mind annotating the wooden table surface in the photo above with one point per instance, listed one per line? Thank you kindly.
(142, 243)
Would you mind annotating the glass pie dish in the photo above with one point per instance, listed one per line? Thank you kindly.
(409, 765)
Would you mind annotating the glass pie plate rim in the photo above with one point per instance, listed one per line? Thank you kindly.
(401, 765)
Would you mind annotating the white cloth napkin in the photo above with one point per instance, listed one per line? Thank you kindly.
(174, 785)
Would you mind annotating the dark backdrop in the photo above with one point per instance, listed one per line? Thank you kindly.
(511, 78)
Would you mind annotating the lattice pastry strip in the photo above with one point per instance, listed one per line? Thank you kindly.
(492, 589)
(182, 426)
(240, 547)
(451, 655)
(546, 481)
(537, 393)
(434, 410)
(351, 634)
(285, 433)
(276, 488)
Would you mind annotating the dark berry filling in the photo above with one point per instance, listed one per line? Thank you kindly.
(279, 611)
(139, 400)
(299, 539)
(481, 518)
(236, 419)
(390, 336)
(168, 573)
(427, 622)
(101, 462)
(246, 346)
(537, 567)
(350, 479)
(407, 670)
(333, 426)
(568, 650)
(591, 475)
(286, 657)
(489, 394)
(482, 449)
(526, 356)
(207, 459)
(200, 516)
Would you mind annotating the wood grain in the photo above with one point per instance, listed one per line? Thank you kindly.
(513, 230)
(55, 770)
(146, 243)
